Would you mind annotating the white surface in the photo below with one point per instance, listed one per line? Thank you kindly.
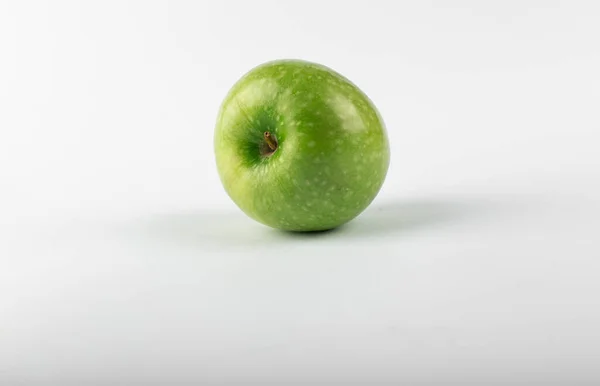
(122, 261)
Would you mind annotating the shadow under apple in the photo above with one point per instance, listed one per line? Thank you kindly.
(214, 229)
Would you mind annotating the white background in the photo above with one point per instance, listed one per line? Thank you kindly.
(123, 262)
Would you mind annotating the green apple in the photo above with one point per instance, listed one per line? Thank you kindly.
(299, 147)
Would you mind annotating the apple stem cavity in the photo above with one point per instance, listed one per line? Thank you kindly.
(271, 143)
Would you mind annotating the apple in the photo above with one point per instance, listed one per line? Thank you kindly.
(299, 147)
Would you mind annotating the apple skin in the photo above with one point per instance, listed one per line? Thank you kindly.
(332, 151)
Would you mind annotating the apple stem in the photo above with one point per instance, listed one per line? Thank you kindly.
(271, 142)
